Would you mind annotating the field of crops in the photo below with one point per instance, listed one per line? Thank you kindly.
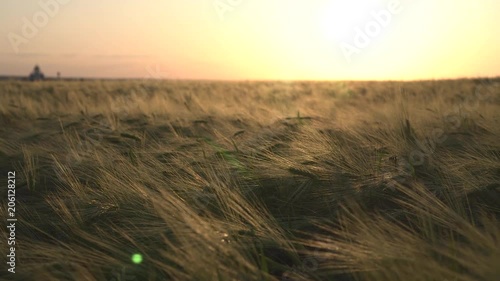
(199, 180)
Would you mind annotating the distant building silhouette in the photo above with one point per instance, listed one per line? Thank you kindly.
(36, 74)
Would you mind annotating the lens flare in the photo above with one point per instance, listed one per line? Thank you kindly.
(137, 258)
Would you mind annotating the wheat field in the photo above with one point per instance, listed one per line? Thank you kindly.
(253, 180)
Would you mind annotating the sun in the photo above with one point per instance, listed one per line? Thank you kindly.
(339, 18)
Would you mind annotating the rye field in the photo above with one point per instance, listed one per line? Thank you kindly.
(200, 180)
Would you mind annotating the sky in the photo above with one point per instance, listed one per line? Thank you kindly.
(252, 39)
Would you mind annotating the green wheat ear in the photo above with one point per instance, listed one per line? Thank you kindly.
(408, 132)
(235, 146)
(132, 157)
(263, 261)
(299, 118)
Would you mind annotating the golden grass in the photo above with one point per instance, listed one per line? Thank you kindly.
(254, 180)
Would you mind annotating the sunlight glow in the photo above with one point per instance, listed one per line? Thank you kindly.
(258, 39)
(339, 18)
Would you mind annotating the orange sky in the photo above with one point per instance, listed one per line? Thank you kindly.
(252, 39)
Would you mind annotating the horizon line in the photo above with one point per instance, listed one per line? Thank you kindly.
(52, 78)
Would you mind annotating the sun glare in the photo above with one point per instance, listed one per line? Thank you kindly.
(258, 39)
(339, 18)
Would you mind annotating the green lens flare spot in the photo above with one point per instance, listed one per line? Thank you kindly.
(137, 258)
